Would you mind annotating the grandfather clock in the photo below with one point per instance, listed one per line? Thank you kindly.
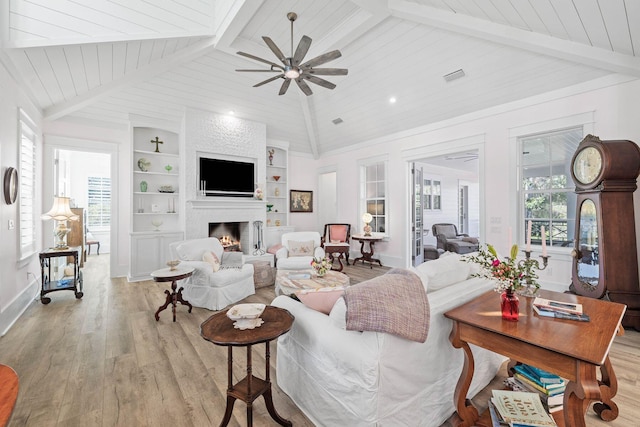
(605, 259)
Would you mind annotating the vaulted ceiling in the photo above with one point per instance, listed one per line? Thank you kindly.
(109, 60)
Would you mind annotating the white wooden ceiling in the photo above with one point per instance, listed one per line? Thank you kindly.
(103, 60)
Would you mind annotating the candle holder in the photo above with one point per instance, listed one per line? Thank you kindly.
(531, 289)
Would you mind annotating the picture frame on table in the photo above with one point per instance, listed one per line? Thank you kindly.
(300, 201)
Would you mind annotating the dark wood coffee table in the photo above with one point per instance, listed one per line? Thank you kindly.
(574, 350)
(219, 330)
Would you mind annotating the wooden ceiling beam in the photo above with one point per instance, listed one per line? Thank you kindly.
(517, 38)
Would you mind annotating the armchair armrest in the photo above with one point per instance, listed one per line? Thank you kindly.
(282, 253)
(319, 252)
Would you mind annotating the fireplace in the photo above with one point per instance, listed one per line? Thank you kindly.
(233, 235)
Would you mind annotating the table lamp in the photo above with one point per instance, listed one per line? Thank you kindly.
(61, 212)
(367, 218)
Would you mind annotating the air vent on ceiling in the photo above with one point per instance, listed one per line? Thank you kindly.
(337, 121)
(454, 75)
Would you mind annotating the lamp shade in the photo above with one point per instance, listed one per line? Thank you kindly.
(366, 217)
(60, 211)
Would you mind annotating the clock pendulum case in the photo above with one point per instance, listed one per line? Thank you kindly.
(605, 262)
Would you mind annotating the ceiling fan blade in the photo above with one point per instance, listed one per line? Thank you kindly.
(260, 71)
(269, 80)
(275, 49)
(327, 71)
(304, 87)
(319, 81)
(301, 50)
(284, 87)
(255, 58)
(325, 57)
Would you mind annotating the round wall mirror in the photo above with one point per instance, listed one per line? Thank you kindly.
(10, 185)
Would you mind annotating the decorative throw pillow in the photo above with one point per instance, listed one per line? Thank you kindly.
(338, 314)
(212, 259)
(300, 248)
(321, 299)
(442, 272)
(273, 249)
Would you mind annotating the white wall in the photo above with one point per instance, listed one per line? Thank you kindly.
(611, 101)
(19, 280)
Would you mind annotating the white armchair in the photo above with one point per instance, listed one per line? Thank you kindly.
(206, 288)
(298, 249)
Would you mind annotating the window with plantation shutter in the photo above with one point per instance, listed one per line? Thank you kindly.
(98, 202)
(26, 204)
(373, 193)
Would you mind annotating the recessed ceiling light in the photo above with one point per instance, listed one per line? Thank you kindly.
(231, 112)
(392, 100)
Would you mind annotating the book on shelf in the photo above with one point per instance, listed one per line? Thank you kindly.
(496, 421)
(541, 375)
(522, 371)
(521, 407)
(561, 314)
(542, 389)
(552, 305)
(548, 400)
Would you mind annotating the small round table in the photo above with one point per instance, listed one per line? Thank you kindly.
(173, 297)
(291, 281)
(219, 330)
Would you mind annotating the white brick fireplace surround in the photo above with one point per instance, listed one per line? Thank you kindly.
(229, 137)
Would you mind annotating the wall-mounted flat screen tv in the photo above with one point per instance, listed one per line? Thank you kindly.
(227, 178)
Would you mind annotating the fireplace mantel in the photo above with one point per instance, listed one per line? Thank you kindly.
(226, 203)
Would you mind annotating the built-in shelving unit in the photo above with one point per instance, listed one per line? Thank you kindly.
(277, 190)
(156, 207)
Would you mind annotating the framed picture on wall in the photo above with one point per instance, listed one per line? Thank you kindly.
(300, 201)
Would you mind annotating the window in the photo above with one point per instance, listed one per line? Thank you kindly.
(548, 197)
(374, 194)
(432, 194)
(27, 184)
(98, 202)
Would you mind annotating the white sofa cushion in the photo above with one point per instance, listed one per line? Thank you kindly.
(443, 272)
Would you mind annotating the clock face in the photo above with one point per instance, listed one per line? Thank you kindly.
(587, 165)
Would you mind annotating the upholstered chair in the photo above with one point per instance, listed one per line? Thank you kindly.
(219, 279)
(450, 240)
(337, 236)
(298, 249)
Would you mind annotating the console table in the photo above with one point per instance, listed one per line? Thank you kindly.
(574, 350)
(219, 330)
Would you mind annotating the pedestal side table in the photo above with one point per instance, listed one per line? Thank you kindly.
(219, 330)
(173, 297)
(367, 256)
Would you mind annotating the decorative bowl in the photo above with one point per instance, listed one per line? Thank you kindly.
(276, 178)
(166, 189)
(173, 264)
(156, 223)
(246, 316)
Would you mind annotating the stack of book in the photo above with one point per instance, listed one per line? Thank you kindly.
(517, 408)
(559, 309)
(550, 387)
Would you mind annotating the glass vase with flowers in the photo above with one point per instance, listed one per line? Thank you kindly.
(509, 275)
(321, 266)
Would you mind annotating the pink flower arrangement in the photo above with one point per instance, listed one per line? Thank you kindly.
(509, 274)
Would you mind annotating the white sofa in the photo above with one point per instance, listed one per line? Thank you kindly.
(349, 378)
(286, 260)
(206, 288)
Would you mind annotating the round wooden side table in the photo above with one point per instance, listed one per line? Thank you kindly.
(219, 330)
(173, 297)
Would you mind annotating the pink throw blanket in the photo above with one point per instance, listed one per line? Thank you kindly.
(395, 302)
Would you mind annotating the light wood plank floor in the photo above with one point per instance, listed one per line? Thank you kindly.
(105, 361)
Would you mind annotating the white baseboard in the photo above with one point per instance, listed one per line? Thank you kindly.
(18, 306)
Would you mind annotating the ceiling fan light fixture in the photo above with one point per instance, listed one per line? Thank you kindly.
(291, 73)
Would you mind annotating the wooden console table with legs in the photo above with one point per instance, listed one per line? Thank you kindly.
(574, 350)
(219, 330)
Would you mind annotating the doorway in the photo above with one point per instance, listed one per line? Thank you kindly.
(327, 198)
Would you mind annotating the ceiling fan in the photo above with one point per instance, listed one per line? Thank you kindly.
(292, 67)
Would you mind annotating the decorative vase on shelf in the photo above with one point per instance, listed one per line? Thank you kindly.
(271, 153)
(276, 192)
(510, 305)
(143, 186)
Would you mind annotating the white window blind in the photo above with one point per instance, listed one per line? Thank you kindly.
(27, 186)
(98, 202)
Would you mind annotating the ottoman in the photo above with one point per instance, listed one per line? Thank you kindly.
(263, 274)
